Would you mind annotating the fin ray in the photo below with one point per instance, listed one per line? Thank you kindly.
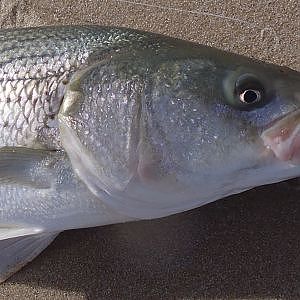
(19, 165)
(17, 252)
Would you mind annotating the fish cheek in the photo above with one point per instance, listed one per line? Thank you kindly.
(149, 169)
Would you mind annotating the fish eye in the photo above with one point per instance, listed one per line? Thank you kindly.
(249, 89)
(246, 91)
(250, 96)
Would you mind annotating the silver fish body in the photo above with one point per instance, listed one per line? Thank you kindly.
(35, 66)
(101, 125)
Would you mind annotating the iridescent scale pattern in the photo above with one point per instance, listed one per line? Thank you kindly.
(35, 66)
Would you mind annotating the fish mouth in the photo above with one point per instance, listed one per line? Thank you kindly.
(283, 137)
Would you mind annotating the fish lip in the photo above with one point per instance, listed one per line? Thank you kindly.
(282, 137)
(279, 119)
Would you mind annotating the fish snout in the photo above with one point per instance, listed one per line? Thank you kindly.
(283, 138)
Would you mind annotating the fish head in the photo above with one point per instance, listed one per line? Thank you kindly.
(225, 121)
(163, 131)
(268, 98)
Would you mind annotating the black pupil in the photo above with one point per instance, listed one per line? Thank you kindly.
(250, 96)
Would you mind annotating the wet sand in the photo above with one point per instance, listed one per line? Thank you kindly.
(246, 246)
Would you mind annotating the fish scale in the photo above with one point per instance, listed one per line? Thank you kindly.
(37, 90)
(35, 65)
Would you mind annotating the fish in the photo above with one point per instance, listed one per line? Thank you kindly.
(103, 125)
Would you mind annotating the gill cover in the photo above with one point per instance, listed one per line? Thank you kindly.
(99, 125)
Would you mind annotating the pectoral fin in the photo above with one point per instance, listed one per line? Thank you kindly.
(25, 166)
(17, 252)
(12, 231)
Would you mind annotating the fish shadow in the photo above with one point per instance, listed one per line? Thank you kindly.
(243, 246)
